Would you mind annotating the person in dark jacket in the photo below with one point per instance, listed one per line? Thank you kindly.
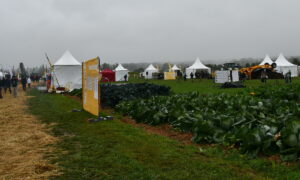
(1, 84)
(7, 83)
(125, 77)
(192, 75)
(24, 82)
(14, 83)
(288, 77)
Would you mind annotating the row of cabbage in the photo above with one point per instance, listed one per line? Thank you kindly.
(264, 120)
(113, 94)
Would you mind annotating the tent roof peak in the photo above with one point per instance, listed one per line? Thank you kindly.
(120, 68)
(267, 59)
(67, 59)
(282, 61)
(198, 65)
(150, 68)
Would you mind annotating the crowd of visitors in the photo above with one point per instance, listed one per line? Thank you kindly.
(9, 84)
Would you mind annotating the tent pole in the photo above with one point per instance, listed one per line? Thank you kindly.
(82, 82)
(99, 90)
(52, 67)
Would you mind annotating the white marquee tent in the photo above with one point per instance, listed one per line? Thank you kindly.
(67, 72)
(175, 68)
(121, 72)
(267, 60)
(284, 66)
(196, 66)
(150, 69)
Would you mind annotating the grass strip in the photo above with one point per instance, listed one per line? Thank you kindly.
(116, 150)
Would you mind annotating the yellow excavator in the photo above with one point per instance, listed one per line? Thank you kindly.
(254, 72)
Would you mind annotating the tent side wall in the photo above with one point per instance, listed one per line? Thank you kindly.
(68, 76)
(188, 72)
(285, 69)
(149, 76)
(120, 75)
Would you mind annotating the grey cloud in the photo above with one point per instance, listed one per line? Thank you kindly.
(147, 31)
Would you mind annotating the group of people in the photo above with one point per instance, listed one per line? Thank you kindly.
(9, 84)
(198, 75)
(287, 77)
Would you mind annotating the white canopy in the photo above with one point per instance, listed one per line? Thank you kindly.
(284, 66)
(267, 60)
(150, 68)
(120, 68)
(121, 72)
(148, 71)
(196, 66)
(67, 72)
(282, 61)
(175, 68)
(67, 59)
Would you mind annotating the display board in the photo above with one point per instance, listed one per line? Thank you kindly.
(235, 76)
(169, 75)
(224, 76)
(91, 79)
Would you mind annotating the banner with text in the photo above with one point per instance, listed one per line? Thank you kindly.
(91, 86)
(169, 75)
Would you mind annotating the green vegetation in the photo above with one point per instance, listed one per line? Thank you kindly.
(112, 94)
(115, 150)
(206, 86)
(267, 122)
(76, 92)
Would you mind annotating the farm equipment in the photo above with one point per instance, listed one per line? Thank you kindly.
(255, 72)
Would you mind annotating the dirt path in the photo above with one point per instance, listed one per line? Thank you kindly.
(23, 141)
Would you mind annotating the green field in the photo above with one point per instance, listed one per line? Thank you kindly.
(206, 86)
(116, 150)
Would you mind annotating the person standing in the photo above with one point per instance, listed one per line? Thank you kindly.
(263, 76)
(1, 84)
(192, 75)
(29, 82)
(147, 74)
(288, 77)
(24, 81)
(7, 83)
(125, 77)
(14, 83)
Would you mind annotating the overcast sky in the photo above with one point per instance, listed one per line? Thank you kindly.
(147, 31)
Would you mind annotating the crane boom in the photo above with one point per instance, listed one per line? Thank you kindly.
(52, 67)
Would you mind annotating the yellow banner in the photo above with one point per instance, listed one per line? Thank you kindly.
(91, 86)
(169, 75)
